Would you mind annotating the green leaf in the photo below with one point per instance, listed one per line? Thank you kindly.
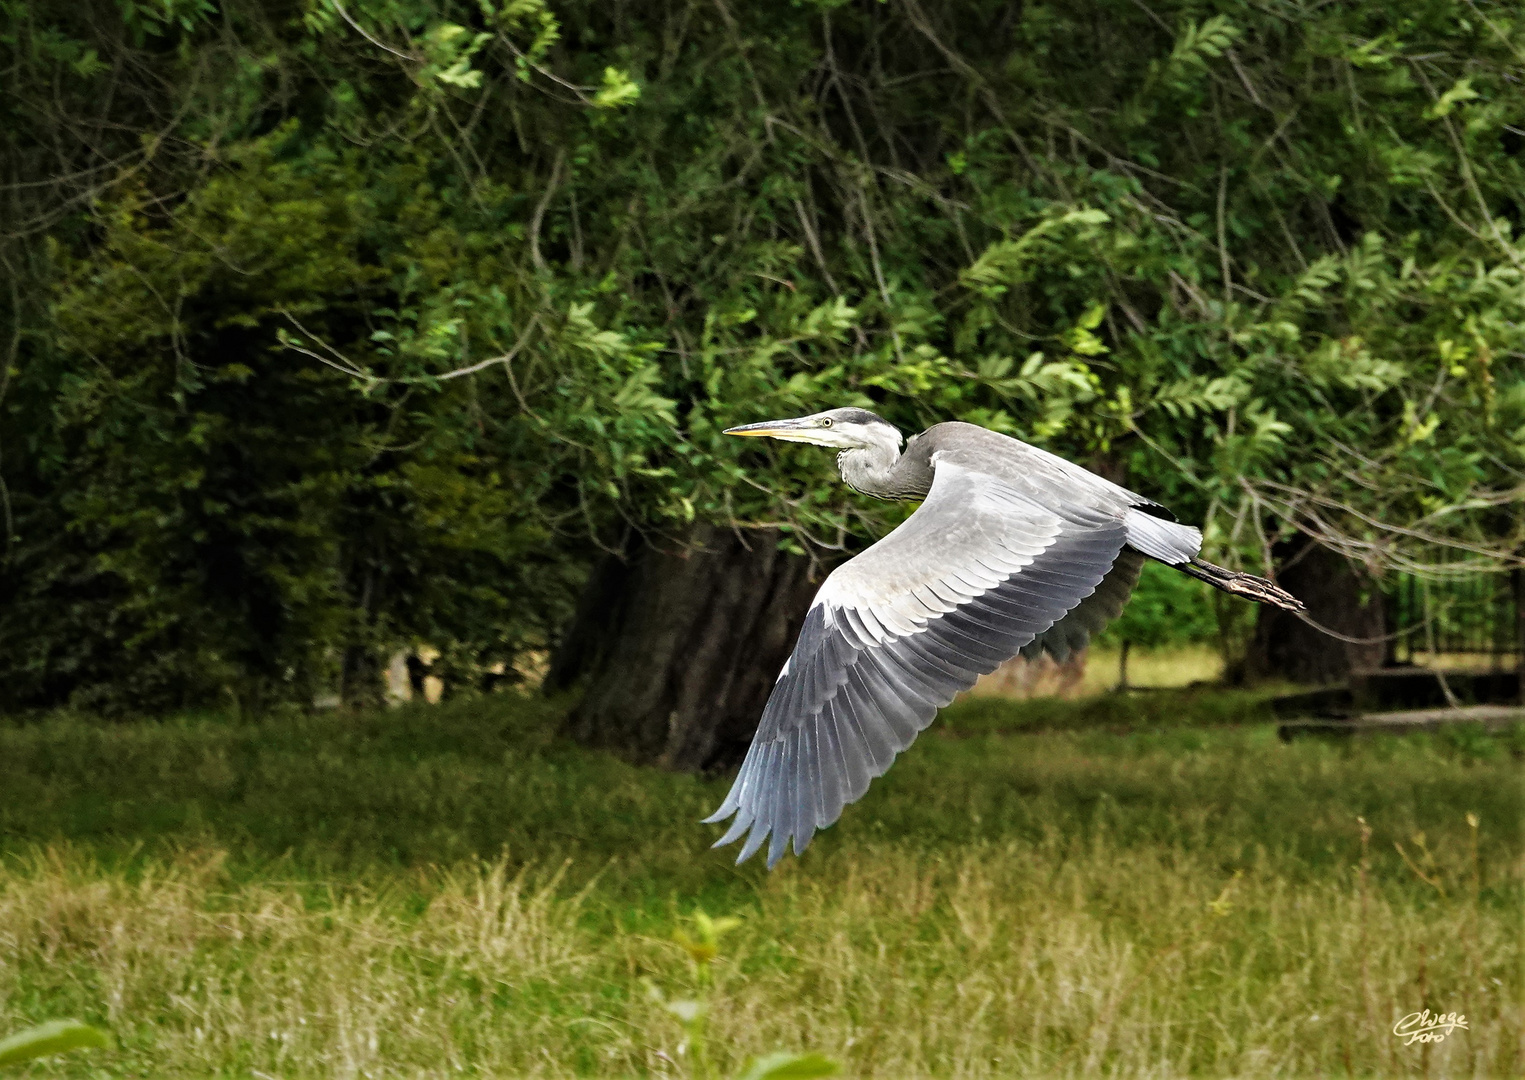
(783, 1065)
(88, 64)
(57, 1037)
(1197, 44)
(1453, 97)
(1007, 262)
(619, 89)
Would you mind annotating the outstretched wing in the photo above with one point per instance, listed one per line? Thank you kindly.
(977, 572)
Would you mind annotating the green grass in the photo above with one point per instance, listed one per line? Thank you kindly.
(1176, 707)
(1128, 884)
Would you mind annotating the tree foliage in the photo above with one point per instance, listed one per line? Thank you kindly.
(338, 326)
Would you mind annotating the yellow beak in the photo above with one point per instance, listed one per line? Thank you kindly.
(804, 429)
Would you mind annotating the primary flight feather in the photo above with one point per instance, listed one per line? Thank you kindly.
(1013, 550)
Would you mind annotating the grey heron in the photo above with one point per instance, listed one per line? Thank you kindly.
(1012, 550)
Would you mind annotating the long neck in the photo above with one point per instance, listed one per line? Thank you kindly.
(882, 471)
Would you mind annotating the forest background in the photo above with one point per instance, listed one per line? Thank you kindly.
(332, 329)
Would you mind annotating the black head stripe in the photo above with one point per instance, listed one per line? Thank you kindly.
(856, 416)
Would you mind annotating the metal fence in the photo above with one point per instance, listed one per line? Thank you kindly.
(1476, 615)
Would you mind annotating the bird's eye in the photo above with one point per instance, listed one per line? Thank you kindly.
(826, 422)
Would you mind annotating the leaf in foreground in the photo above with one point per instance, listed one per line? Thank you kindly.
(786, 1066)
(54, 1038)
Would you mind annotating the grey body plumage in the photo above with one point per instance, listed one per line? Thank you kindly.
(1013, 550)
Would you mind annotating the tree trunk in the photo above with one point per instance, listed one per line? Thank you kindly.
(1337, 596)
(1519, 631)
(678, 647)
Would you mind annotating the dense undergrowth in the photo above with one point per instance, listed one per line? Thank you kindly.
(455, 889)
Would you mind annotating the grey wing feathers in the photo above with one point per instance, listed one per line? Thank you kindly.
(1074, 632)
(979, 571)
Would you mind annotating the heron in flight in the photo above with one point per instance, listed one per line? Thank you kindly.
(1013, 550)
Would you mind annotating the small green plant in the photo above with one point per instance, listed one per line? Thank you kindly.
(58, 1037)
(693, 1013)
(786, 1066)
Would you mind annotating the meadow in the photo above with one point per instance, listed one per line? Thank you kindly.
(1146, 884)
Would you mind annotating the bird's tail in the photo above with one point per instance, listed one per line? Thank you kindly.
(1241, 584)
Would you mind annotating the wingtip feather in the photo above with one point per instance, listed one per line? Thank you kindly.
(755, 841)
(725, 811)
(735, 832)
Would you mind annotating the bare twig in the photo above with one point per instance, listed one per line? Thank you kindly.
(540, 208)
(1228, 281)
(506, 358)
(346, 365)
(362, 32)
(815, 247)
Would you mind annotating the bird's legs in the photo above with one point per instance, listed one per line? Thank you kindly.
(1241, 584)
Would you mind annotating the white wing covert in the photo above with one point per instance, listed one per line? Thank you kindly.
(978, 572)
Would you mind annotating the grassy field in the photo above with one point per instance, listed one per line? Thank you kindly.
(1148, 884)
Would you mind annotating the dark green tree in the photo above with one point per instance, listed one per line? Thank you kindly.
(410, 312)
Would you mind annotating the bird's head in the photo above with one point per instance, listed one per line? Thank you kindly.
(841, 429)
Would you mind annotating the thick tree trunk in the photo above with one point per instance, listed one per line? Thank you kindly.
(678, 647)
(1337, 596)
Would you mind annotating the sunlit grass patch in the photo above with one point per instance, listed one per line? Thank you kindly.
(1164, 667)
(1170, 666)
